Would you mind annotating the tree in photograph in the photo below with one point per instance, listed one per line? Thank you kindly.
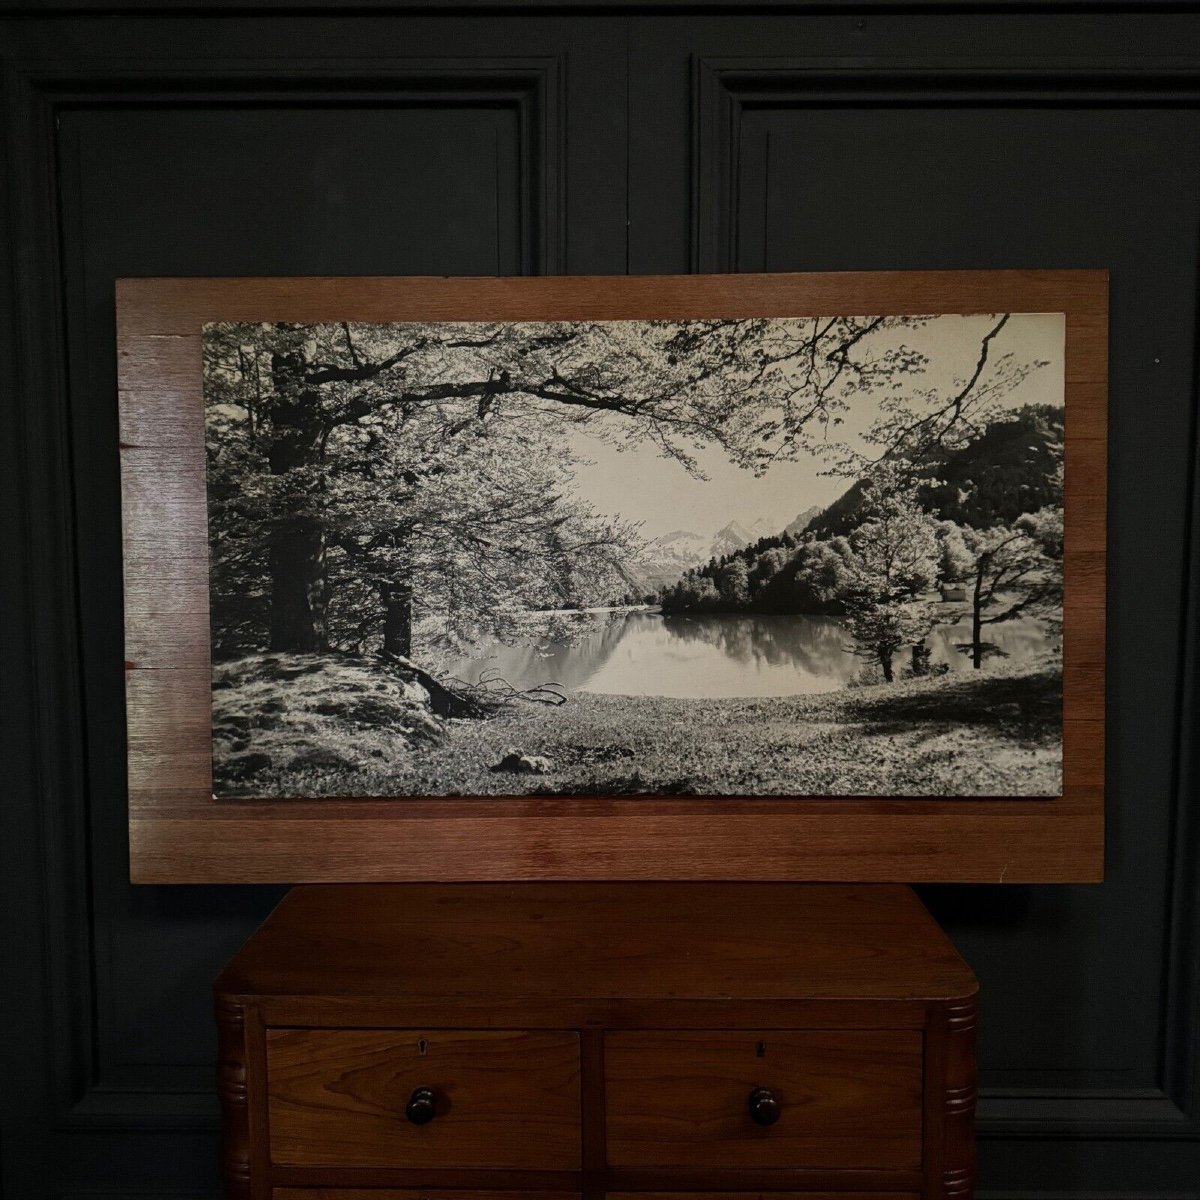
(817, 576)
(880, 628)
(450, 511)
(828, 574)
(754, 387)
(240, 499)
(955, 561)
(695, 591)
(916, 421)
(281, 391)
(1012, 571)
(290, 406)
(733, 584)
(896, 543)
(895, 552)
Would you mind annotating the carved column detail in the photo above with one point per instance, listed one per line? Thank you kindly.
(958, 1126)
(233, 1094)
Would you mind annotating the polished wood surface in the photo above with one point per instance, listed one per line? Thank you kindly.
(679, 1098)
(594, 1039)
(639, 943)
(233, 1095)
(179, 833)
(303, 1193)
(501, 1099)
(757, 1196)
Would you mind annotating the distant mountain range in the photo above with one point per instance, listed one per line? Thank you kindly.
(735, 535)
(669, 556)
(803, 521)
(1010, 467)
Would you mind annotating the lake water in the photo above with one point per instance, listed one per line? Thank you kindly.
(649, 654)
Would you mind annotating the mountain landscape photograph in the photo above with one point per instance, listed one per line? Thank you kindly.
(729, 557)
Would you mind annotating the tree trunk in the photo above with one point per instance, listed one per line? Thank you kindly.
(397, 619)
(298, 591)
(296, 552)
(977, 620)
(920, 658)
(885, 661)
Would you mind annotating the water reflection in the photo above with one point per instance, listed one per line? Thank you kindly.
(648, 654)
(761, 654)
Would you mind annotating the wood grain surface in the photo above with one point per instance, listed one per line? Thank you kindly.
(627, 1076)
(540, 943)
(504, 1099)
(233, 1094)
(760, 1195)
(679, 1098)
(179, 833)
(334, 1193)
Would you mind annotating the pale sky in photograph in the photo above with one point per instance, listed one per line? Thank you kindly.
(640, 485)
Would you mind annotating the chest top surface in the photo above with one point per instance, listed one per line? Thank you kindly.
(602, 941)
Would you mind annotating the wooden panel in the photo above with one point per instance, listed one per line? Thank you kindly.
(747, 1195)
(997, 841)
(507, 1099)
(180, 307)
(848, 1099)
(554, 942)
(179, 833)
(426, 1193)
(156, 380)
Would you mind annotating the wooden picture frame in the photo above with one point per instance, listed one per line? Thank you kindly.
(179, 833)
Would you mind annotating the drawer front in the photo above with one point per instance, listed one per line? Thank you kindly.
(291, 1193)
(843, 1099)
(753, 1196)
(501, 1099)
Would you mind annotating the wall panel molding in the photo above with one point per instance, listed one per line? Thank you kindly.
(82, 1125)
(724, 91)
(40, 93)
(1063, 1112)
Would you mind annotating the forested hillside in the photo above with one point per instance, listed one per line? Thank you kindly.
(1007, 470)
(985, 517)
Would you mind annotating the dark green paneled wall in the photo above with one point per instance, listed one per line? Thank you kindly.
(318, 140)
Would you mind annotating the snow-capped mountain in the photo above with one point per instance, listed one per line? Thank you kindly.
(733, 537)
(667, 557)
(683, 546)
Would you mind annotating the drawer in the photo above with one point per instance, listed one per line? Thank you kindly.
(748, 1196)
(498, 1098)
(335, 1193)
(845, 1099)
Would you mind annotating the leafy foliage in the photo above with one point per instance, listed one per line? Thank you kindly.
(907, 527)
(882, 627)
(372, 486)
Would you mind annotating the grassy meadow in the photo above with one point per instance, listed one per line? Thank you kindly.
(349, 726)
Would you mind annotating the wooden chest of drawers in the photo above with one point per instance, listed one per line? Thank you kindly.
(583, 1041)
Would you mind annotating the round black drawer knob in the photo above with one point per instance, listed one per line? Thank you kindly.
(763, 1106)
(419, 1109)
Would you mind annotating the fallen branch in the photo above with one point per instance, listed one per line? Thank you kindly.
(452, 699)
(456, 697)
(498, 690)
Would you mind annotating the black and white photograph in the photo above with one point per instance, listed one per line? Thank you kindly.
(729, 557)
